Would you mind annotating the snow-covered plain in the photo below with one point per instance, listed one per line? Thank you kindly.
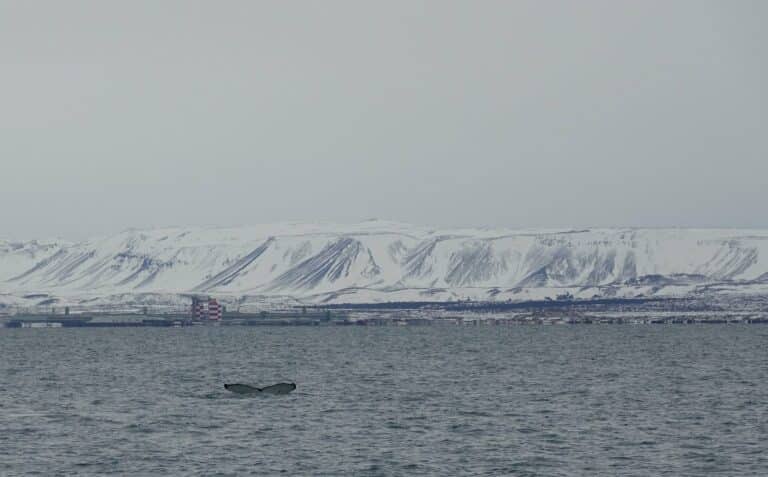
(379, 261)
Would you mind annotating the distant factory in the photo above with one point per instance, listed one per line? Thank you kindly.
(206, 309)
(202, 311)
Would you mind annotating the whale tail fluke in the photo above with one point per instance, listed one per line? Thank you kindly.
(279, 388)
(242, 388)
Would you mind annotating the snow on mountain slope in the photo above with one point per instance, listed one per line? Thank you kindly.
(19, 257)
(378, 258)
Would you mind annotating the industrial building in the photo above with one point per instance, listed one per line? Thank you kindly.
(206, 309)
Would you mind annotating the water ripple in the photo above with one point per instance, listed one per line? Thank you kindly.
(554, 401)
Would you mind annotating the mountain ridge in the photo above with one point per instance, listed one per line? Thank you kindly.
(322, 260)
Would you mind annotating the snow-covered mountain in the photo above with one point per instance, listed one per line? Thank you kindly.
(385, 261)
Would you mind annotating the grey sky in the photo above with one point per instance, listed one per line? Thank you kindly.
(518, 114)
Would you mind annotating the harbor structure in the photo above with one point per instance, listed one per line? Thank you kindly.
(204, 309)
(214, 310)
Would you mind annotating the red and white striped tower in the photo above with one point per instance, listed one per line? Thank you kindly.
(198, 308)
(214, 309)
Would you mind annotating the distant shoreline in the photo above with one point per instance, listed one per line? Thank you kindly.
(651, 310)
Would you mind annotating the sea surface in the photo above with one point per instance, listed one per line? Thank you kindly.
(590, 400)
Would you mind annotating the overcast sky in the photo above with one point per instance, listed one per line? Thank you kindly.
(514, 114)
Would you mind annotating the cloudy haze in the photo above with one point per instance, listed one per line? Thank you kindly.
(514, 114)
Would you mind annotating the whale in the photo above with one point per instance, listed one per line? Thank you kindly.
(279, 388)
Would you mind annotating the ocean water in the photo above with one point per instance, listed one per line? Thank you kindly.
(441, 400)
